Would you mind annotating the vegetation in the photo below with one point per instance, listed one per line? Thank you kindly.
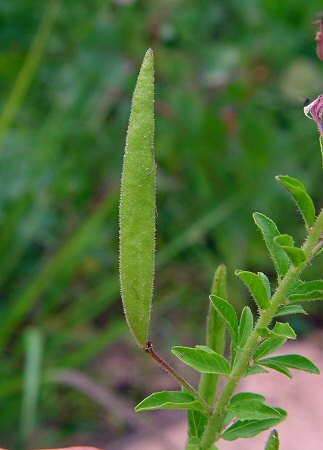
(229, 100)
(216, 415)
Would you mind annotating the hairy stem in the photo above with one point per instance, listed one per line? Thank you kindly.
(215, 422)
(215, 336)
(172, 372)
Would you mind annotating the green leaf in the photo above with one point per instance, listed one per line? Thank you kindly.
(233, 352)
(295, 254)
(245, 326)
(254, 411)
(169, 400)
(279, 367)
(137, 207)
(273, 441)
(227, 418)
(284, 240)
(283, 330)
(193, 443)
(228, 314)
(256, 286)
(196, 423)
(310, 297)
(301, 198)
(269, 346)
(264, 332)
(204, 347)
(203, 359)
(306, 291)
(250, 428)
(266, 282)
(293, 361)
(245, 397)
(249, 406)
(269, 232)
(290, 309)
(254, 369)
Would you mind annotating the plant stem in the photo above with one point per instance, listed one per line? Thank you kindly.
(172, 372)
(318, 247)
(215, 336)
(214, 425)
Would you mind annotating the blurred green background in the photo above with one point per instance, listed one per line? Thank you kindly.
(231, 81)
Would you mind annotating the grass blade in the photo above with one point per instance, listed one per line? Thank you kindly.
(31, 383)
(28, 69)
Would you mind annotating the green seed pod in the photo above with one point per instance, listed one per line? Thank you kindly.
(273, 441)
(138, 207)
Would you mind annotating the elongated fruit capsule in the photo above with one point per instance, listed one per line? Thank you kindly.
(138, 207)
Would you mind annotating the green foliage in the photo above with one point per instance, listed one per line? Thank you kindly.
(203, 359)
(169, 400)
(305, 291)
(290, 309)
(266, 282)
(250, 428)
(228, 314)
(27, 71)
(250, 406)
(304, 202)
(269, 232)
(269, 346)
(257, 286)
(283, 330)
(193, 443)
(296, 255)
(254, 369)
(292, 361)
(246, 398)
(220, 114)
(245, 326)
(249, 413)
(137, 207)
(278, 366)
(196, 422)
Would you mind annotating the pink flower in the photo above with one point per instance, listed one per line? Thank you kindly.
(314, 111)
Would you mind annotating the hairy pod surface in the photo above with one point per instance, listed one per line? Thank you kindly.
(137, 207)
